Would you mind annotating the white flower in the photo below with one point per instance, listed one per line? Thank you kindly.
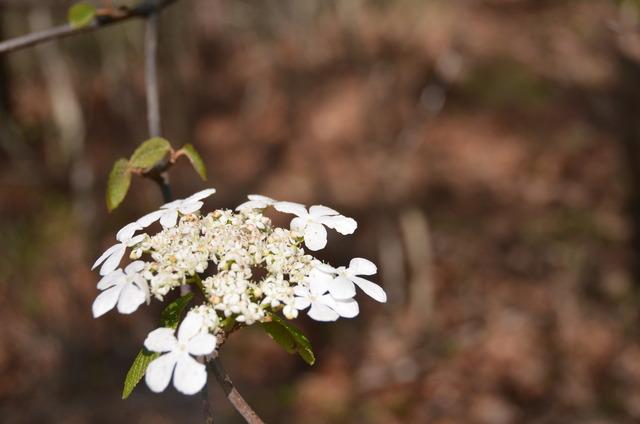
(190, 376)
(256, 201)
(312, 223)
(111, 258)
(314, 296)
(127, 289)
(343, 285)
(345, 306)
(168, 213)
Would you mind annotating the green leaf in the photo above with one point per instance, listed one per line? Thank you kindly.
(81, 14)
(137, 370)
(290, 338)
(196, 160)
(118, 184)
(150, 153)
(170, 317)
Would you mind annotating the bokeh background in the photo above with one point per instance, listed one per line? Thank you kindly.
(490, 151)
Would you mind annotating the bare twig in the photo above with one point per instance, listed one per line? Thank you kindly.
(149, 10)
(104, 18)
(232, 393)
(206, 406)
(151, 72)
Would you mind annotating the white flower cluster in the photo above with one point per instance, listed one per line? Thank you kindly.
(244, 266)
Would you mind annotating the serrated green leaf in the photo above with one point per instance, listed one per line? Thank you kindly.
(170, 317)
(137, 371)
(118, 183)
(290, 338)
(150, 153)
(196, 160)
(81, 14)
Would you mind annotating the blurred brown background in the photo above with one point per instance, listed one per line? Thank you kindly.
(490, 151)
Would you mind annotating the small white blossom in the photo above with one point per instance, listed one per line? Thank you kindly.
(127, 289)
(314, 297)
(256, 201)
(168, 213)
(343, 285)
(111, 258)
(190, 376)
(312, 223)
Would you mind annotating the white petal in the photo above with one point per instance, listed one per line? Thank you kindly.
(261, 198)
(161, 340)
(321, 312)
(105, 301)
(301, 291)
(106, 254)
(113, 260)
(201, 195)
(372, 289)
(142, 284)
(159, 372)
(346, 308)
(340, 223)
(249, 204)
(135, 240)
(169, 218)
(201, 344)
(291, 207)
(342, 288)
(191, 207)
(256, 201)
(191, 325)
(317, 211)
(130, 298)
(111, 279)
(301, 303)
(190, 376)
(172, 205)
(134, 267)
(315, 236)
(319, 282)
(326, 268)
(149, 218)
(299, 224)
(128, 231)
(361, 266)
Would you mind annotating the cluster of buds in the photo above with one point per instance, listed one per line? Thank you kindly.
(246, 268)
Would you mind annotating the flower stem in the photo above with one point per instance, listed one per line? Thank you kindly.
(232, 393)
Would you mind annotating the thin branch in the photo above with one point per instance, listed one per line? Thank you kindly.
(232, 393)
(148, 10)
(104, 18)
(207, 411)
(151, 72)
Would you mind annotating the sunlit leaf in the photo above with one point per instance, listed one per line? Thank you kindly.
(290, 338)
(170, 317)
(196, 160)
(150, 153)
(81, 14)
(118, 184)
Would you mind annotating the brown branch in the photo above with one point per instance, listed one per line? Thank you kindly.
(232, 393)
(103, 18)
(151, 72)
(148, 10)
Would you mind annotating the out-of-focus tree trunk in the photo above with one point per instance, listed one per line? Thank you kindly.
(5, 98)
(627, 99)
